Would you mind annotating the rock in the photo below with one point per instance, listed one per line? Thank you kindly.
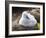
(36, 13)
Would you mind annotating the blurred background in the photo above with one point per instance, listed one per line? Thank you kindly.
(17, 13)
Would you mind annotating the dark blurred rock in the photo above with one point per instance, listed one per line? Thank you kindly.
(36, 14)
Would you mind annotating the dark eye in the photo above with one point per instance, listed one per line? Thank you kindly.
(27, 17)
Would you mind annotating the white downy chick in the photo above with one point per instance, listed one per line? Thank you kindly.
(27, 19)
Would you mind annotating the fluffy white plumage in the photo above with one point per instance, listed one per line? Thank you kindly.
(27, 19)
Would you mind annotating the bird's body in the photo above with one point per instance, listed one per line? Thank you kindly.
(27, 19)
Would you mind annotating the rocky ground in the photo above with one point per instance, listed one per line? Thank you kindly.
(22, 28)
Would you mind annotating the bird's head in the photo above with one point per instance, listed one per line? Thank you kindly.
(25, 14)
